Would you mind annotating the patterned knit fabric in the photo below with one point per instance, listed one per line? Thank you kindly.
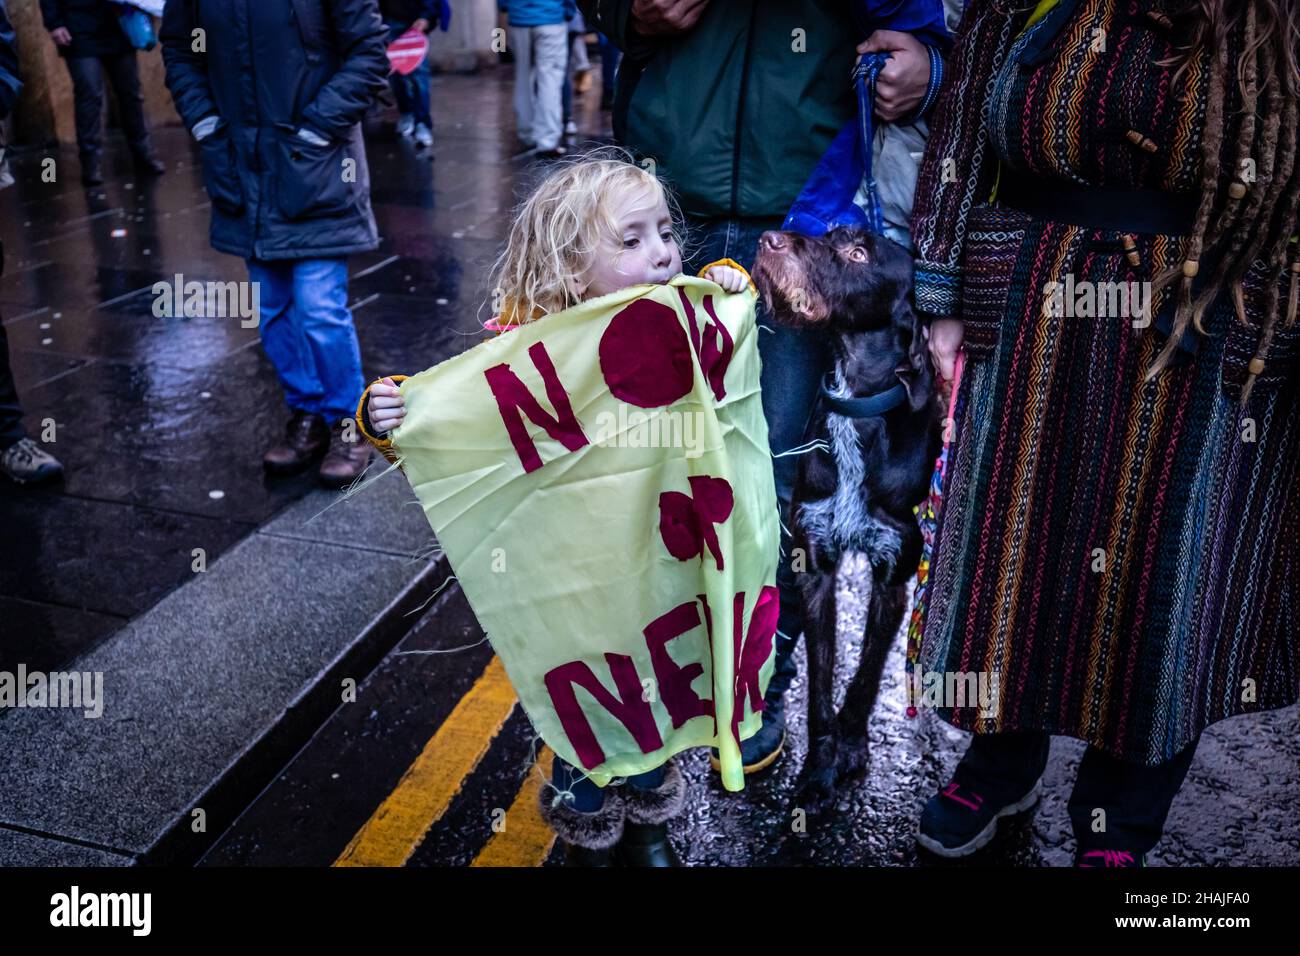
(1124, 557)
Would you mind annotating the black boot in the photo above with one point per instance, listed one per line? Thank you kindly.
(92, 169)
(645, 835)
(149, 165)
(589, 838)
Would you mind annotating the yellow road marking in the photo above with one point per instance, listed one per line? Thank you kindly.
(425, 791)
(526, 839)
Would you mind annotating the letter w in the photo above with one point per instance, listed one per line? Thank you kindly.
(513, 396)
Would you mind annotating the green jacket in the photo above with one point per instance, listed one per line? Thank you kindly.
(736, 112)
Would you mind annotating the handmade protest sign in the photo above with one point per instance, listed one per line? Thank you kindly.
(601, 483)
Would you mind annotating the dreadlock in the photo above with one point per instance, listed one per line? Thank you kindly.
(1246, 216)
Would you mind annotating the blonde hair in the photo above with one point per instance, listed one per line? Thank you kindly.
(557, 231)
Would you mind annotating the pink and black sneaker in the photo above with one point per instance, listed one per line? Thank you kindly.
(1091, 859)
(961, 818)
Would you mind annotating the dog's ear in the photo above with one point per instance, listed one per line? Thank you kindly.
(915, 372)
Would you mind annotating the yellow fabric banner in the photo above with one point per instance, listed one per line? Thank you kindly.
(601, 483)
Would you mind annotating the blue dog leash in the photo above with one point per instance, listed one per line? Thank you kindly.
(864, 80)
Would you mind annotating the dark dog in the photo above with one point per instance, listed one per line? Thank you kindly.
(876, 428)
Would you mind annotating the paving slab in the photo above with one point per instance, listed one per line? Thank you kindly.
(188, 687)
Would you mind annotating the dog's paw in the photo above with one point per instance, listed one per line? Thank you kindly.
(851, 759)
(815, 793)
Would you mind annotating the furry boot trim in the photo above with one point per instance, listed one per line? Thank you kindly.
(660, 804)
(592, 831)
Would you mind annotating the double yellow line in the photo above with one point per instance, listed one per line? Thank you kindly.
(426, 790)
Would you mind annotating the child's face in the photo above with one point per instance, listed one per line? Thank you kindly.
(643, 250)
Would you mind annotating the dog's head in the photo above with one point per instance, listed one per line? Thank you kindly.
(847, 281)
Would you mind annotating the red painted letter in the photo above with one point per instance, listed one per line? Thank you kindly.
(682, 703)
(512, 396)
(633, 712)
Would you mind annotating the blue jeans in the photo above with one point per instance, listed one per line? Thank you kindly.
(587, 797)
(410, 91)
(794, 361)
(308, 335)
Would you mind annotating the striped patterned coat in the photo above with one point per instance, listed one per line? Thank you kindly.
(1124, 557)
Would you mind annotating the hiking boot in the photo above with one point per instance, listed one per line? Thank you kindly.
(347, 458)
(306, 438)
(761, 751)
(959, 819)
(1092, 859)
(29, 464)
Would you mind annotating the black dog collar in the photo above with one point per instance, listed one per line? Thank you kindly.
(866, 406)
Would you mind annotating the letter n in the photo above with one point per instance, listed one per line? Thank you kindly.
(631, 711)
(513, 396)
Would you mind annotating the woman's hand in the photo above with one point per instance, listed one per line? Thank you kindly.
(900, 87)
(386, 407)
(732, 280)
(666, 17)
(945, 342)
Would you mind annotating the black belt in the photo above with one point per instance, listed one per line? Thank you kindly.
(1111, 208)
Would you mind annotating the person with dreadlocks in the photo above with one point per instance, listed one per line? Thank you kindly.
(1119, 543)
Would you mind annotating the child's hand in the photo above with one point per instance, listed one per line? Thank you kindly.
(386, 407)
(733, 280)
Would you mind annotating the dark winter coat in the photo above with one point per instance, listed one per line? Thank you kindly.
(270, 68)
(92, 23)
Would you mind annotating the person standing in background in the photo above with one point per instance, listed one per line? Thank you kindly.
(21, 459)
(285, 165)
(539, 39)
(93, 45)
(735, 115)
(414, 120)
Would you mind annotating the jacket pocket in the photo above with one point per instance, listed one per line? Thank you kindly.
(1242, 341)
(221, 173)
(993, 239)
(310, 179)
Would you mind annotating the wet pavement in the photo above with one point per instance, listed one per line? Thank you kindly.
(161, 424)
(1238, 807)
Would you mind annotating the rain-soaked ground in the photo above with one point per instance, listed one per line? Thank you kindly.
(1239, 806)
(158, 415)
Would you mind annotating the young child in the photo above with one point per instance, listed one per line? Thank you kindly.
(593, 226)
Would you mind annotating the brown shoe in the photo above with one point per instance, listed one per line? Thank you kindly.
(305, 439)
(346, 459)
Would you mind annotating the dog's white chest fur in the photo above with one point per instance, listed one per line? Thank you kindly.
(841, 522)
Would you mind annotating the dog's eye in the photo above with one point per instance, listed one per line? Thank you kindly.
(857, 254)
